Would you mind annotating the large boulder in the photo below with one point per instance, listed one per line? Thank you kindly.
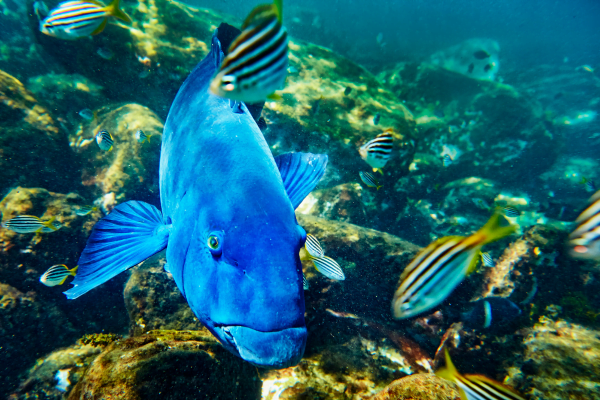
(419, 387)
(168, 365)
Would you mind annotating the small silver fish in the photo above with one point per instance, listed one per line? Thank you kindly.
(376, 119)
(313, 247)
(447, 160)
(57, 275)
(141, 137)
(511, 212)
(87, 114)
(486, 260)
(85, 210)
(29, 224)
(329, 267)
(377, 152)
(105, 53)
(256, 64)
(305, 284)
(104, 140)
(369, 179)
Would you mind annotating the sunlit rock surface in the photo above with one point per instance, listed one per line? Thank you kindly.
(168, 365)
(419, 387)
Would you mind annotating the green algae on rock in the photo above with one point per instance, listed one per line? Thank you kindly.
(32, 147)
(419, 387)
(168, 365)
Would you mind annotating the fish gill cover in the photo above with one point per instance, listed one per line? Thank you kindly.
(377, 143)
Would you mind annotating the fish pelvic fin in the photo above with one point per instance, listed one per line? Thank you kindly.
(131, 233)
(496, 228)
(114, 10)
(450, 373)
(98, 30)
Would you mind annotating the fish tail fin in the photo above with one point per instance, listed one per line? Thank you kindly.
(496, 228)
(378, 170)
(114, 10)
(48, 224)
(449, 373)
(73, 271)
(131, 233)
(279, 9)
(147, 138)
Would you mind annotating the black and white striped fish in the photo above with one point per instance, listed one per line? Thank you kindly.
(369, 179)
(475, 386)
(378, 151)
(76, 19)
(256, 63)
(29, 224)
(104, 140)
(57, 275)
(440, 267)
(327, 266)
(447, 160)
(313, 247)
(584, 241)
(511, 212)
(486, 260)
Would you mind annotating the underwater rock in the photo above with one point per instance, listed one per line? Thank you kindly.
(154, 302)
(561, 361)
(419, 387)
(29, 328)
(130, 169)
(33, 149)
(56, 373)
(168, 365)
(346, 203)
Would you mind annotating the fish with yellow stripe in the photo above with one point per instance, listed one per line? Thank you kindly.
(256, 62)
(440, 267)
(57, 275)
(30, 224)
(313, 251)
(475, 386)
(76, 19)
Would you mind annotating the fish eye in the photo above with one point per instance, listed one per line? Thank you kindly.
(215, 243)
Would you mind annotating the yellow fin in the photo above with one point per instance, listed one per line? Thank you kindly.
(450, 373)
(257, 10)
(48, 224)
(114, 10)
(305, 255)
(73, 271)
(99, 29)
(496, 228)
(378, 170)
(275, 96)
(279, 9)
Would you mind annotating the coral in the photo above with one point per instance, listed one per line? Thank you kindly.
(419, 387)
(168, 365)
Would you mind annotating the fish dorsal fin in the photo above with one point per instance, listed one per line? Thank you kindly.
(215, 50)
(300, 173)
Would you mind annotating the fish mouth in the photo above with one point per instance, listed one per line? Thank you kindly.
(273, 350)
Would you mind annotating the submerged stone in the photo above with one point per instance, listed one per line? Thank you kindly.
(419, 387)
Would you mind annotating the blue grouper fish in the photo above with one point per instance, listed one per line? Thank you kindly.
(227, 222)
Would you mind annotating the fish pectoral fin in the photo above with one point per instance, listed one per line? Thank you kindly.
(99, 29)
(131, 233)
(300, 173)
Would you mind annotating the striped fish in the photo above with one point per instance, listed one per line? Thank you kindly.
(313, 247)
(76, 19)
(511, 212)
(141, 137)
(329, 267)
(369, 179)
(475, 386)
(29, 224)
(104, 140)
(378, 151)
(305, 284)
(256, 63)
(85, 210)
(57, 275)
(440, 267)
(584, 241)
(447, 160)
(486, 260)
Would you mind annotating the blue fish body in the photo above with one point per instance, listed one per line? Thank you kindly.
(227, 222)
